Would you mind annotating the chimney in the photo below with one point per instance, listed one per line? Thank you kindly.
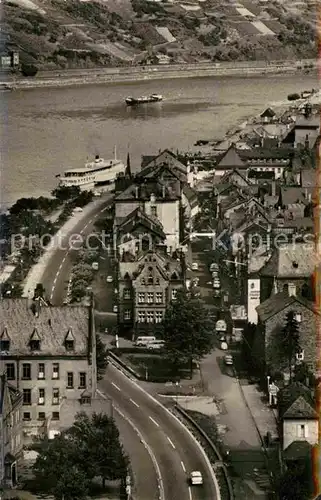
(309, 197)
(137, 192)
(273, 188)
(163, 191)
(49, 322)
(306, 193)
(152, 198)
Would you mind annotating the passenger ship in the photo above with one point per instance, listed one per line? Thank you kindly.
(99, 172)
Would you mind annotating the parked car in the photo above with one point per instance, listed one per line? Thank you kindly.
(109, 279)
(216, 284)
(214, 274)
(156, 344)
(195, 266)
(144, 341)
(213, 267)
(77, 210)
(115, 308)
(95, 266)
(196, 477)
(228, 360)
(217, 293)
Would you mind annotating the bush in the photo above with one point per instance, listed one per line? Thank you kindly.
(29, 70)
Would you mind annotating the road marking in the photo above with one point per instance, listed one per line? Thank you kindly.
(51, 296)
(183, 466)
(63, 260)
(154, 421)
(89, 222)
(134, 402)
(85, 226)
(190, 493)
(171, 442)
(60, 266)
(116, 386)
(81, 232)
(55, 280)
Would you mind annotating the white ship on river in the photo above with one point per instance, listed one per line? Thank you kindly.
(99, 172)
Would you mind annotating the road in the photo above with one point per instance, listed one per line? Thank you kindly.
(59, 268)
(175, 451)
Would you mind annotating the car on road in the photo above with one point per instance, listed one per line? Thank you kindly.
(214, 274)
(228, 360)
(77, 210)
(95, 266)
(144, 341)
(217, 293)
(157, 344)
(115, 308)
(213, 267)
(195, 266)
(196, 477)
(216, 284)
(109, 279)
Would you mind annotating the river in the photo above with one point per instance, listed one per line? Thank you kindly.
(44, 131)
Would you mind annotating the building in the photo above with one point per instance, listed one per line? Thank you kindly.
(158, 201)
(298, 417)
(136, 233)
(49, 354)
(146, 285)
(9, 60)
(272, 315)
(11, 441)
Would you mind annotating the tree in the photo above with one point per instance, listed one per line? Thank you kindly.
(297, 481)
(66, 193)
(66, 465)
(290, 340)
(188, 330)
(29, 70)
(101, 357)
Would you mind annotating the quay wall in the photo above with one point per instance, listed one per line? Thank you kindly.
(146, 73)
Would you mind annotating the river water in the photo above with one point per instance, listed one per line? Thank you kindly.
(45, 131)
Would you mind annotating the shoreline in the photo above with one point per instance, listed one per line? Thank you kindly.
(66, 78)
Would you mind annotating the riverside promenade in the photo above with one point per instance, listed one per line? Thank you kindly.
(60, 78)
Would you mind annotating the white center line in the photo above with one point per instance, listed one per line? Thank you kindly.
(85, 226)
(171, 442)
(134, 402)
(63, 260)
(60, 266)
(55, 280)
(82, 231)
(154, 421)
(190, 493)
(116, 386)
(89, 222)
(183, 466)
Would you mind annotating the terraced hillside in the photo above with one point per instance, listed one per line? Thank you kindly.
(74, 33)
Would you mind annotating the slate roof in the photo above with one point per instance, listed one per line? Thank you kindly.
(190, 194)
(311, 122)
(230, 159)
(138, 217)
(276, 303)
(165, 157)
(289, 395)
(293, 195)
(297, 450)
(300, 409)
(291, 261)
(266, 153)
(165, 264)
(52, 325)
(269, 113)
(145, 191)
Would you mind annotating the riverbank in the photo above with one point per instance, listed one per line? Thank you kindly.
(70, 78)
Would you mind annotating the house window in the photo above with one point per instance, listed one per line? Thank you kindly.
(82, 380)
(141, 297)
(34, 345)
(149, 316)
(26, 396)
(141, 316)
(150, 279)
(85, 400)
(4, 345)
(127, 293)
(10, 370)
(69, 345)
(298, 317)
(174, 294)
(70, 380)
(302, 431)
(150, 297)
(159, 297)
(55, 370)
(153, 210)
(41, 398)
(55, 396)
(41, 415)
(55, 415)
(158, 316)
(26, 371)
(300, 355)
(127, 314)
(26, 415)
(41, 371)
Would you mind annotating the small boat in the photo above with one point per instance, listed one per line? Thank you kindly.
(294, 97)
(307, 93)
(132, 101)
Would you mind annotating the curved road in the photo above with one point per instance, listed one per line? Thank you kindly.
(175, 451)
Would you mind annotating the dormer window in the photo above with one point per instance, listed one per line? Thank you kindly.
(4, 341)
(69, 341)
(4, 345)
(34, 342)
